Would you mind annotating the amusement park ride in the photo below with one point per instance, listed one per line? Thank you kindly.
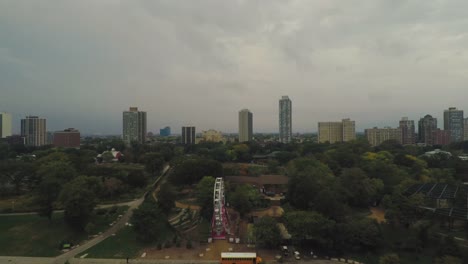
(220, 223)
(220, 229)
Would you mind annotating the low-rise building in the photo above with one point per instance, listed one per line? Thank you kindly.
(68, 138)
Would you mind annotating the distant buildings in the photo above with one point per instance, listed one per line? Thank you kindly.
(134, 126)
(336, 131)
(188, 135)
(377, 136)
(441, 137)
(426, 126)
(408, 136)
(5, 125)
(285, 119)
(34, 130)
(212, 136)
(165, 132)
(453, 122)
(245, 125)
(465, 129)
(68, 138)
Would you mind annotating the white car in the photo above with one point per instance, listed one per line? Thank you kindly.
(297, 255)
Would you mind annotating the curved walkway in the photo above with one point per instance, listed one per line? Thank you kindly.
(114, 229)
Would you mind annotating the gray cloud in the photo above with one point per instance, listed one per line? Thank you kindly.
(81, 63)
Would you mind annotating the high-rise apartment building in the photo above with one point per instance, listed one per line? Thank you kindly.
(245, 125)
(165, 132)
(336, 131)
(377, 136)
(465, 129)
(34, 130)
(188, 135)
(407, 131)
(134, 126)
(5, 125)
(453, 122)
(349, 129)
(285, 119)
(68, 138)
(426, 126)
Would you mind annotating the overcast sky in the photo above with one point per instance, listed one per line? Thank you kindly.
(81, 63)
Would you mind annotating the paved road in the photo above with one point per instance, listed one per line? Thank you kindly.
(114, 229)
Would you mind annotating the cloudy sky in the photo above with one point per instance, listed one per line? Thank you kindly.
(81, 63)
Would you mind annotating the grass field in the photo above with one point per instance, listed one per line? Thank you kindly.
(32, 235)
(122, 245)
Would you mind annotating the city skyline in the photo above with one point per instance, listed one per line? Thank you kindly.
(372, 62)
(395, 123)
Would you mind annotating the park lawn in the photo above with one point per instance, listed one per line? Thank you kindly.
(124, 244)
(32, 235)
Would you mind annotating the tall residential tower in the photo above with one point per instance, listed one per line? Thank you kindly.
(285, 119)
(5, 125)
(453, 122)
(134, 126)
(245, 125)
(426, 126)
(34, 130)
(407, 131)
(188, 135)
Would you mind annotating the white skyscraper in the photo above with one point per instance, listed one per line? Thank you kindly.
(134, 125)
(285, 119)
(245, 125)
(5, 125)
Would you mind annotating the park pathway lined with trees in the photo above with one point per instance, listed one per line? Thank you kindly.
(118, 225)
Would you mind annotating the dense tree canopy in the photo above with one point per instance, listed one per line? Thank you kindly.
(244, 198)
(192, 169)
(267, 233)
(79, 197)
(204, 195)
(148, 222)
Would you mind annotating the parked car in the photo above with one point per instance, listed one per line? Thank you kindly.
(297, 255)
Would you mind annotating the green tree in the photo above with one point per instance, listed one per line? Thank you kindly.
(166, 197)
(154, 162)
(389, 259)
(79, 197)
(190, 170)
(244, 199)
(267, 233)
(204, 194)
(310, 225)
(52, 176)
(17, 174)
(359, 189)
(149, 222)
(404, 210)
(47, 193)
(359, 234)
(307, 177)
